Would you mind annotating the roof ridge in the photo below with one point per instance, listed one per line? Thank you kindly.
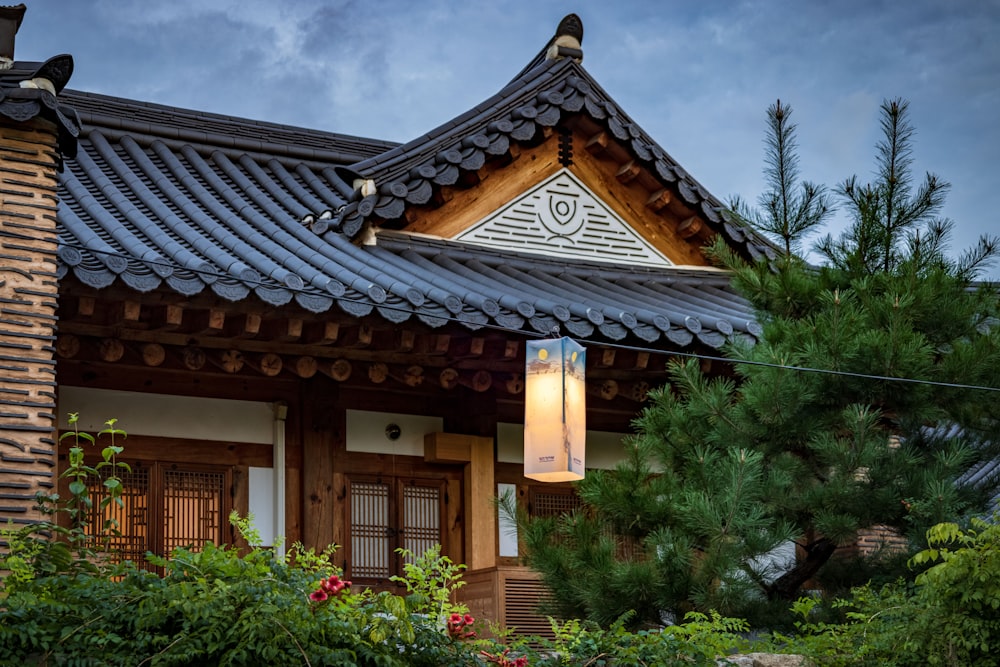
(164, 121)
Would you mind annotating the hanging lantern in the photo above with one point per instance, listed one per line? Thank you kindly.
(555, 419)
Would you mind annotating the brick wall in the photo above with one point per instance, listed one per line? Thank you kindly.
(28, 293)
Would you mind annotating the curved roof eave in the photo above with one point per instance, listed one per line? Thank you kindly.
(541, 96)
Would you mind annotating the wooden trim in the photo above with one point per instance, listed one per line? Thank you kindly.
(631, 198)
(467, 207)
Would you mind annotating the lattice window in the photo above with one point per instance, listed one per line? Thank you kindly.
(553, 504)
(421, 518)
(130, 519)
(388, 514)
(370, 544)
(192, 504)
(164, 506)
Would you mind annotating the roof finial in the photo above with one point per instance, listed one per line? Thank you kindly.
(567, 40)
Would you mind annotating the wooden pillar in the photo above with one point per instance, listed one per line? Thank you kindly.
(476, 452)
(323, 428)
(28, 295)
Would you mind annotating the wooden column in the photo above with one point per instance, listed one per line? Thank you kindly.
(28, 294)
(476, 452)
(323, 428)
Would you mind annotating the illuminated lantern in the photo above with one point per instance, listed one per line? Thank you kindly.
(555, 419)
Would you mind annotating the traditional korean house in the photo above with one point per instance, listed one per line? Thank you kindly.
(329, 331)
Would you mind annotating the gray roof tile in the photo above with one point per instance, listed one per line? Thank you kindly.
(162, 198)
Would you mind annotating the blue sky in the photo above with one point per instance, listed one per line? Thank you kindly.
(697, 75)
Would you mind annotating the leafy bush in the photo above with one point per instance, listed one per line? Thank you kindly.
(62, 602)
(950, 615)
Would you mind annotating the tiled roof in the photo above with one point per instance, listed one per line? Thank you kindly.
(163, 198)
(540, 97)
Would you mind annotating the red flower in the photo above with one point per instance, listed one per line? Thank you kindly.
(318, 595)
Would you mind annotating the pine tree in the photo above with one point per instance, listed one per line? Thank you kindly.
(790, 209)
(722, 470)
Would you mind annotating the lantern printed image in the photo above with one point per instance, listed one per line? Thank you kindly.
(555, 420)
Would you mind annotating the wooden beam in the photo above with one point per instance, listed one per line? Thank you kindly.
(357, 337)
(606, 358)
(479, 489)
(193, 358)
(638, 391)
(340, 370)
(480, 512)
(641, 361)
(85, 306)
(126, 313)
(378, 372)
(285, 330)
(231, 361)
(447, 448)
(468, 348)
(659, 199)
(167, 318)
(268, 364)
(608, 390)
(598, 144)
(322, 435)
(246, 325)
(481, 381)
(111, 350)
(305, 367)
(211, 322)
(153, 354)
(322, 333)
(448, 378)
(514, 384)
(405, 340)
(67, 346)
(627, 172)
(690, 227)
(440, 344)
(511, 349)
(412, 377)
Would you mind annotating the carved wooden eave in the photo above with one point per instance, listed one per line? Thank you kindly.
(111, 339)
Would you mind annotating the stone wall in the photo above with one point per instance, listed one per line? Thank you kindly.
(28, 297)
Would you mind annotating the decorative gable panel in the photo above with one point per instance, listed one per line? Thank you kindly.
(560, 216)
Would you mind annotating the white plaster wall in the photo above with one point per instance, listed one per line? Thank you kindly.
(261, 503)
(366, 432)
(507, 526)
(604, 449)
(168, 416)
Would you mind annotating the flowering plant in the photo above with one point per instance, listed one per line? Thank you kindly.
(460, 626)
(330, 587)
(503, 659)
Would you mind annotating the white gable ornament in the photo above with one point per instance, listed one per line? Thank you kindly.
(561, 217)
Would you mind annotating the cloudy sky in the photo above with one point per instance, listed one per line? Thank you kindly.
(696, 74)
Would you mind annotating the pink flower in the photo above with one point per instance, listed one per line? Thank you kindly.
(318, 595)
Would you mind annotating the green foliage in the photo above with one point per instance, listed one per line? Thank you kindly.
(698, 642)
(961, 594)
(431, 580)
(53, 546)
(789, 209)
